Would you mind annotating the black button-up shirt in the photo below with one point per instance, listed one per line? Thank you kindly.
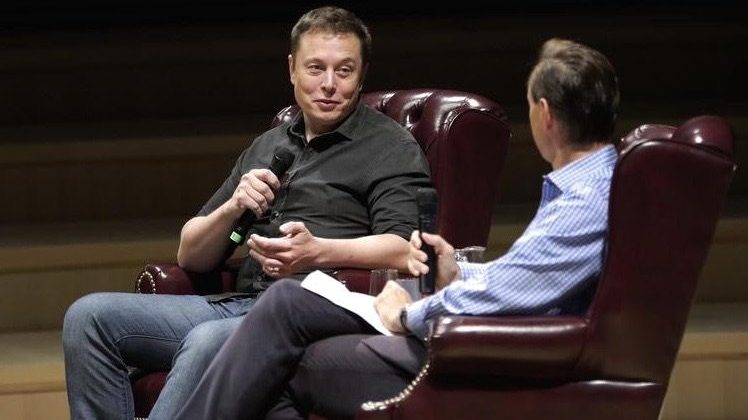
(358, 180)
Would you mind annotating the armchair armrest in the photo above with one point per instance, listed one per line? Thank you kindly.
(170, 278)
(527, 347)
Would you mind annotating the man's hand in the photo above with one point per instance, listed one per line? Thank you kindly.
(388, 305)
(281, 257)
(445, 253)
(254, 192)
(204, 239)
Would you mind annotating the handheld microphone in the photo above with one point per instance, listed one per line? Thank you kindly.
(427, 222)
(282, 159)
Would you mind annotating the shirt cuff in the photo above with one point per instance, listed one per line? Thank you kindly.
(468, 270)
(416, 320)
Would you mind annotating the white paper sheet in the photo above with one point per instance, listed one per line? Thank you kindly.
(336, 292)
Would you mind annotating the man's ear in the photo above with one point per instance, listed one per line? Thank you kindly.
(291, 74)
(546, 113)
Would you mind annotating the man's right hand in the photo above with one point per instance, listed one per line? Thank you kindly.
(448, 269)
(254, 192)
(204, 238)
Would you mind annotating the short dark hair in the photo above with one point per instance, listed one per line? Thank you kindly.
(334, 20)
(580, 85)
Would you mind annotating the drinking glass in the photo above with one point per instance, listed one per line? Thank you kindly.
(379, 277)
(472, 254)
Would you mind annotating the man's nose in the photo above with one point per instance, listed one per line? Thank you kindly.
(328, 82)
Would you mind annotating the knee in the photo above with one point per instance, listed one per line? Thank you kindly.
(285, 304)
(204, 340)
(82, 315)
(280, 299)
(283, 290)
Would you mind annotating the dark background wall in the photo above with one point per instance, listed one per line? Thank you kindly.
(123, 101)
(82, 60)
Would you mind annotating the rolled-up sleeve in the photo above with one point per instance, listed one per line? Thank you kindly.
(396, 178)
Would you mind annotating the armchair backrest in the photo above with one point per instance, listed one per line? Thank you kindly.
(667, 192)
(465, 139)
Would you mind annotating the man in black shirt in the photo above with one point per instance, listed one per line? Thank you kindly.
(348, 200)
(350, 183)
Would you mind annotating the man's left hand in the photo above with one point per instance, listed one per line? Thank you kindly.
(281, 257)
(388, 305)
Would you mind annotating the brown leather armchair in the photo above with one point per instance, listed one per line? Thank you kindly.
(465, 139)
(613, 362)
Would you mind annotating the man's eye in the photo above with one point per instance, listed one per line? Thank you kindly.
(314, 69)
(344, 71)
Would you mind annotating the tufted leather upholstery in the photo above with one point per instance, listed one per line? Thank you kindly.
(613, 362)
(465, 139)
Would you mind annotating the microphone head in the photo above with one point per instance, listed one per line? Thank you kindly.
(282, 160)
(427, 200)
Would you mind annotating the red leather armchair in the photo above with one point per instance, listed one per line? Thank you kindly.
(613, 362)
(465, 139)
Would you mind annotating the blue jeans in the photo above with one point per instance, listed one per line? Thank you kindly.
(106, 333)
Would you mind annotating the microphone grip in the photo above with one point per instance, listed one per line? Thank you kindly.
(239, 233)
(279, 164)
(427, 282)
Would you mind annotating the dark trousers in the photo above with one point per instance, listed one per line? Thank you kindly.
(295, 353)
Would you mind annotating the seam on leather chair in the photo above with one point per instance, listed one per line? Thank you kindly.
(140, 279)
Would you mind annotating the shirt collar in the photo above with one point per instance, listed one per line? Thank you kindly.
(584, 168)
(347, 129)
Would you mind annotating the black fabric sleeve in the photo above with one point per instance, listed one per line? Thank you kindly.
(397, 175)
